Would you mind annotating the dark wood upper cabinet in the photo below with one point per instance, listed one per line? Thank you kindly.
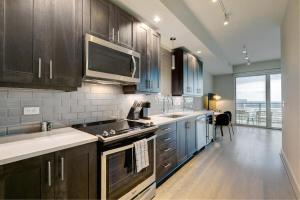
(99, 19)
(124, 28)
(21, 29)
(198, 78)
(66, 174)
(42, 43)
(28, 179)
(64, 53)
(187, 76)
(142, 46)
(155, 62)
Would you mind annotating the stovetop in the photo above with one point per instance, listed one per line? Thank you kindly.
(115, 129)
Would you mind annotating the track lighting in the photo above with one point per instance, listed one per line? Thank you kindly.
(226, 21)
(245, 53)
(214, 1)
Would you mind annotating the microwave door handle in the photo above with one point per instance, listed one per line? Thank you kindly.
(134, 64)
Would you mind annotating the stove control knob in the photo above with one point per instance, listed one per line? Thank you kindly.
(112, 132)
(105, 134)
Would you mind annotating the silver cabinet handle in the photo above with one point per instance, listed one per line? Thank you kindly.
(113, 34)
(40, 68)
(166, 129)
(118, 36)
(49, 174)
(134, 64)
(167, 165)
(51, 70)
(169, 149)
(62, 162)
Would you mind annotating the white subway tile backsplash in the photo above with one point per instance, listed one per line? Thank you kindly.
(90, 103)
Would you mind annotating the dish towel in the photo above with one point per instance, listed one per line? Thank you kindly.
(141, 154)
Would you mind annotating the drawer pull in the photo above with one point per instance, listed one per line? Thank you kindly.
(167, 165)
(167, 139)
(166, 129)
(169, 149)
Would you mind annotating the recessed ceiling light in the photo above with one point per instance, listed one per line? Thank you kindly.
(199, 52)
(214, 1)
(156, 19)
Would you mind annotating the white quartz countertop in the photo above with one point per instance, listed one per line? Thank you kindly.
(20, 147)
(162, 119)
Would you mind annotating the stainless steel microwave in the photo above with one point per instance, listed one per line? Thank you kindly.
(109, 62)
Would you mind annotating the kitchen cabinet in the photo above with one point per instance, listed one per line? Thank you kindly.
(191, 137)
(186, 139)
(187, 78)
(105, 20)
(21, 27)
(69, 174)
(166, 151)
(124, 24)
(43, 48)
(148, 45)
(64, 50)
(99, 19)
(28, 179)
(155, 62)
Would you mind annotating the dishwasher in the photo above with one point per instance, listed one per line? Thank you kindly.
(201, 131)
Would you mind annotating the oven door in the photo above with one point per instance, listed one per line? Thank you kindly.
(119, 179)
(107, 61)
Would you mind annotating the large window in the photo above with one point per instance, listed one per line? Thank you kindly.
(251, 100)
(258, 101)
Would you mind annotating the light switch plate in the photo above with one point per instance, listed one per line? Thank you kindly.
(31, 110)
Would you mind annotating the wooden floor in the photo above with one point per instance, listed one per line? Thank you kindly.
(249, 167)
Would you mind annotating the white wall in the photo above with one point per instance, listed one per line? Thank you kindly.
(258, 67)
(224, 86)
(291, 90)
(208, 83)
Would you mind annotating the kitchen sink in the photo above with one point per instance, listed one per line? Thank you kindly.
(174, 115)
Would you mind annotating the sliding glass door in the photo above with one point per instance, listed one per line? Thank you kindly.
(275, 101)
(251, 100)
(258, 100)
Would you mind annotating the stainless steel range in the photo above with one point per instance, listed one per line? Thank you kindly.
(119, 177)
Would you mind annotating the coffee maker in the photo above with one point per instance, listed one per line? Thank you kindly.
(144, 114)
(139, 110)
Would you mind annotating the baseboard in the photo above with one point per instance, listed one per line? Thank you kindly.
(291, 175)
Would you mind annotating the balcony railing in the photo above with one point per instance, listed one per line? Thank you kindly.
(255, 114)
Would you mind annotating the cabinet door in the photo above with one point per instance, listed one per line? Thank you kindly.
(99, 19)
(181, 141)
(185, 73)
(191, 137)
(76, 173)
(198, 78)
(155, 62)
(28, 179)
(142, 46)
(124, 25)
(64, 52)
(190, 74)
(21, 28)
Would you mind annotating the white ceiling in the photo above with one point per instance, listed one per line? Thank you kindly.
(255, 23)
(198, 25)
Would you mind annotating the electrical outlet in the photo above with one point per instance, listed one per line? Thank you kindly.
(31, 110)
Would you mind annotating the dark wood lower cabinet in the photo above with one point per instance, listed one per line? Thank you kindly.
(67, 174)
(28, 179)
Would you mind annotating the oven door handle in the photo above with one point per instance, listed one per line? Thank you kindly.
(130, 146)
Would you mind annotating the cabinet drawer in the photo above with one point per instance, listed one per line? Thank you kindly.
(164, 152)
(166, 167)
(166, 129)
(166, 138)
